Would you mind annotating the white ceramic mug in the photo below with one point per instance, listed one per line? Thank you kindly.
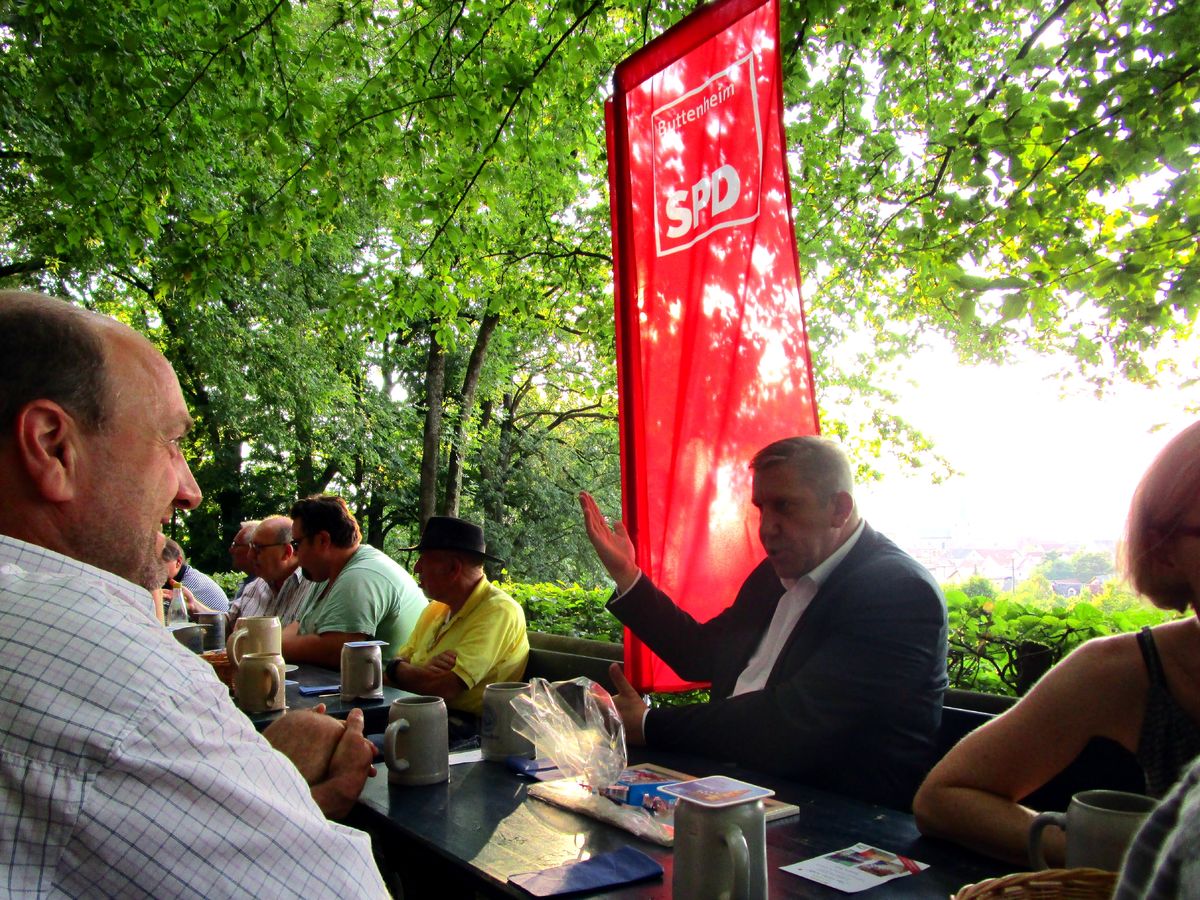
(416, 744)
(498, 740)
(362, 670)
(1100, 826)
(720, 852)
(260, 683)
(255, 634)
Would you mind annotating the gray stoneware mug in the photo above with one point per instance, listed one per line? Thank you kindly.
(259, 683)
(498, 740)
(720, 852)
(1100, 826)
(416, 745)
(362, 670)
(259, 634)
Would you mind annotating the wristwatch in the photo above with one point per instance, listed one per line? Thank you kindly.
(389, 671)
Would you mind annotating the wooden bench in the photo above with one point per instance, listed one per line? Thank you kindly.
(557, 657)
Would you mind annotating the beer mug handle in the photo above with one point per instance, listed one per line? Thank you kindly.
(276, 682)
(376, 677)
(389, 745)
(1037, 854)
(739, 856)
(233, 645)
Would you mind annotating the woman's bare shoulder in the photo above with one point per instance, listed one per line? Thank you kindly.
(1113, 657)
(1097, 686)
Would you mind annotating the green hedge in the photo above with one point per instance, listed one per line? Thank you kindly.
(566, 609)
(990, 640)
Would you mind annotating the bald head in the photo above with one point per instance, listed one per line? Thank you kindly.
(274, 557)
(91, 417)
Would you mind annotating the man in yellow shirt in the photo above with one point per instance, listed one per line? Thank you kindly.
(472, 633)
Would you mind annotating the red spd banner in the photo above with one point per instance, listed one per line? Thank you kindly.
(712, 357)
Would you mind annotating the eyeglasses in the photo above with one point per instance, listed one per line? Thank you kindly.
(237, 544)
(255, 547)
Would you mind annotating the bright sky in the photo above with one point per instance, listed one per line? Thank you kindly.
(1034, 464)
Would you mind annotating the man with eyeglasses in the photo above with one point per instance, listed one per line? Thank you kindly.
(280, 587)
(239, 553)
(359, 592)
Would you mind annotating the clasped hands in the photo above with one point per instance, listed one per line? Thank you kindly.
(334, 757)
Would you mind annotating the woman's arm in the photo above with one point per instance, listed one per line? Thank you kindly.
(971, 796)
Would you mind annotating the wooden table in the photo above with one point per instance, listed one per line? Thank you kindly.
(468, 835)
(375, 712)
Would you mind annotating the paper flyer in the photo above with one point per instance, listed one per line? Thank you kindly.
(855, 868)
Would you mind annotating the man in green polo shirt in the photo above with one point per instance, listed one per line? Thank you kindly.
(358, 592)
(472, 633)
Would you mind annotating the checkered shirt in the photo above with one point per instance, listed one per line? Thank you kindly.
(125, 770)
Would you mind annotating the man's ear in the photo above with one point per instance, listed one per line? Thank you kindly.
(842, 504)
(48, 446)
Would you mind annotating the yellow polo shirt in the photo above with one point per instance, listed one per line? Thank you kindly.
(488, 634)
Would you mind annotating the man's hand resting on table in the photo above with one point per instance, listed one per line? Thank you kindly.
(333, 757)
(612, 545)
(630, 706)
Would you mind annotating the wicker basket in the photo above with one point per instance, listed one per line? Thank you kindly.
(1050, 884)
(219, 660)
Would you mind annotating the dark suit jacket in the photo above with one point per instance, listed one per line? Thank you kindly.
(854, 701)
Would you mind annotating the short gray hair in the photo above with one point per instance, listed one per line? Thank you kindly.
(172, 551)
(818, 461)
(50, 350)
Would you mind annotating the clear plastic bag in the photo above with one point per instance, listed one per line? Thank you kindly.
(575, 724)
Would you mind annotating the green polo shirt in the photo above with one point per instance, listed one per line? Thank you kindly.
(372, 595)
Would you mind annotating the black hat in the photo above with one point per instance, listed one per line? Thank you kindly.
(449, 533)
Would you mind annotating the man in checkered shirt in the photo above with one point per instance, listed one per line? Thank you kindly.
(124, 768)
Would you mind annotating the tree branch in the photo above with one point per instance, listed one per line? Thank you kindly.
(508, 113)
(23, 268)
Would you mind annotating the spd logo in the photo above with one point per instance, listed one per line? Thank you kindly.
(707, 159)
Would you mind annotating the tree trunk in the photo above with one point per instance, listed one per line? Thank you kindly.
(372, 515)
(467, 403)
(435, 396)
(497, 478)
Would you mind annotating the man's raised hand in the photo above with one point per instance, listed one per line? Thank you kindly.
(612, 544)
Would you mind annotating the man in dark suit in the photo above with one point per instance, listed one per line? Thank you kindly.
(830, 665)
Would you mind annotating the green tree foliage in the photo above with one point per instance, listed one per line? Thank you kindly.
(992, 642)
(1082, 566)
(979, 587)
(1005, 173)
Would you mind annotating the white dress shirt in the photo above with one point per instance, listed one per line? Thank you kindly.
(125, 769)
(792, 606)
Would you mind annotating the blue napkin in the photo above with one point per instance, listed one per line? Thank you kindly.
(315, 690)
(623, 866)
